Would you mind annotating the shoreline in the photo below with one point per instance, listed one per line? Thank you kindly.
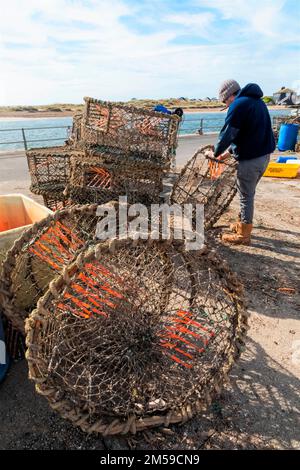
(48, 115)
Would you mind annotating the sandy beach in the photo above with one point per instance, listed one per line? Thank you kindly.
(37, 115)
(40, 118)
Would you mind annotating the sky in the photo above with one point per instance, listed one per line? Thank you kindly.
(58, 51)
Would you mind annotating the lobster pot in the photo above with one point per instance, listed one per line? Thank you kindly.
(143, 134)
(134, 336)
(97, 179)
(39, 255)
(76, 134)
(42, 252)
(204, 181)
(56, 201)
(49, 169)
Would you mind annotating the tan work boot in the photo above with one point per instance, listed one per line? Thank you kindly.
(241, 237)
(234, 227)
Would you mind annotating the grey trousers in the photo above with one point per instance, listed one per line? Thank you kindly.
(249, 172)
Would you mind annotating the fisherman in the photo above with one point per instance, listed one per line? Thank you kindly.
(248, 136)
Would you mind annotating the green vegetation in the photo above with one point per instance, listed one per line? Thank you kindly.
(170, 103)
(268, 100)
(53, 108)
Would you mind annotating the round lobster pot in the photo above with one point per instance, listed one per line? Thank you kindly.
(204, 181)
(43, 251)
(135, 335)
(39, 255)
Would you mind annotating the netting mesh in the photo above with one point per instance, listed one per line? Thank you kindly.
(57, 200)
(39, 255)
(204, 181)
(49, 168)
(76, 133)
(102, 178)
(128, 136)
(149, 135)
(134, 335)
(42, 252)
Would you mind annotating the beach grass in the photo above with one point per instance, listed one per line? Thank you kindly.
(170, 103)
(69, 109)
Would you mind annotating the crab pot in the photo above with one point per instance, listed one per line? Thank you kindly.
(133, 336)
(49, 168)
(145, 134)
(204, 181)
(76, 134)
(40, 254)
(100, 180)
(56, 201)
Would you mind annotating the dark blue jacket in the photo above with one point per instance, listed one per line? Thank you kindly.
(247, 128)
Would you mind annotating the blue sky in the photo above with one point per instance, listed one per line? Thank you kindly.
(61, 50)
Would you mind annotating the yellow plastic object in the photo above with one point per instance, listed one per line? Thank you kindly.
(282, 170)
(17, 213)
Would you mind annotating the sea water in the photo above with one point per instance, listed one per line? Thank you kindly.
(45, 132)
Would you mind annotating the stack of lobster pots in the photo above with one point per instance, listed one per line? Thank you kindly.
(114, 150)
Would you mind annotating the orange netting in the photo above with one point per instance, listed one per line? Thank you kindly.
(203, 180)
(134, 331)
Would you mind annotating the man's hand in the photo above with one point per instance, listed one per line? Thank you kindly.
(224, 156)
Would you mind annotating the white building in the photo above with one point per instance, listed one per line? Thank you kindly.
(285, 96)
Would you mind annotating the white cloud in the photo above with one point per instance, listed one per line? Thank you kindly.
(296, 86)
(198, 24)
(264, 17)
(61, 50)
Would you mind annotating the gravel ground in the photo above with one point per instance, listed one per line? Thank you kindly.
(260, 409)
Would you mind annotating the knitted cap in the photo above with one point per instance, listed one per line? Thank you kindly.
(228, 88)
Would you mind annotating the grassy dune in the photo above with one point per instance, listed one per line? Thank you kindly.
(68, 109)
(171, 103)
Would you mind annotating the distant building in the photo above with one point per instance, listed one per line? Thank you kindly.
(285, 96)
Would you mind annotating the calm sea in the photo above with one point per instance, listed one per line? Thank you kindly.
(54, 131)
(213, 122)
